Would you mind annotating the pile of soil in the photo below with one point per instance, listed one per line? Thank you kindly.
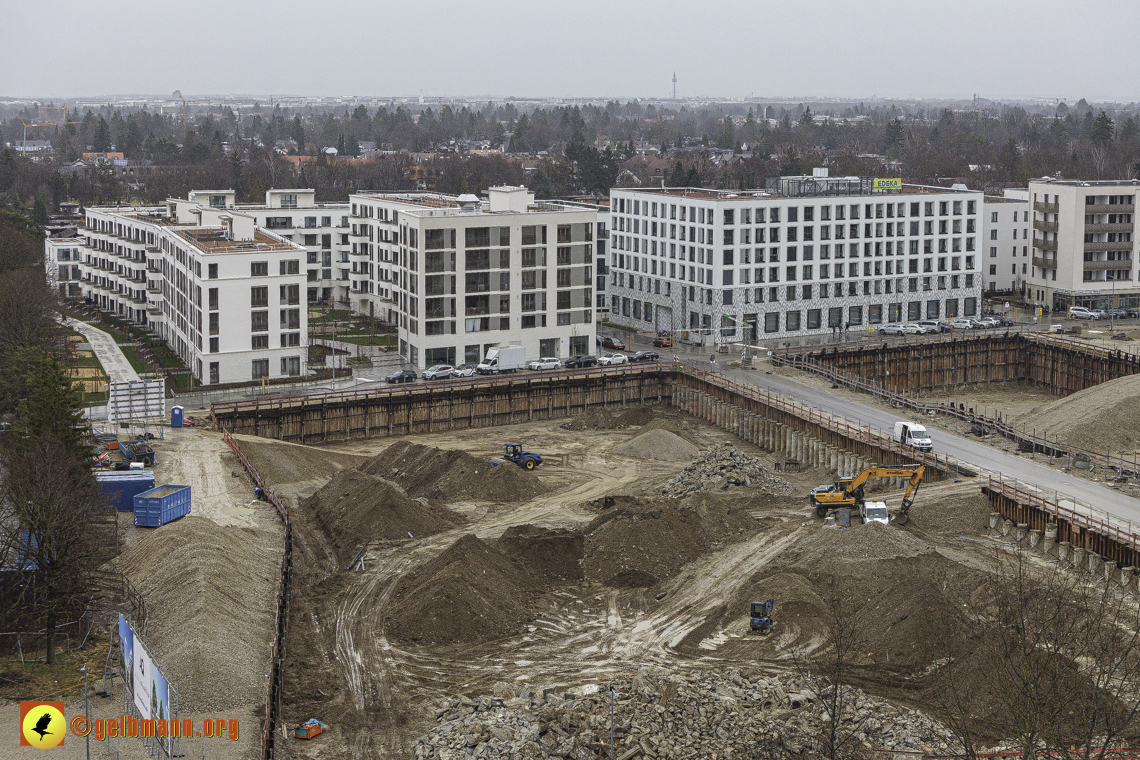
(593, 419)
(675, 429)
(637, 416)
(469, 594)
(280, 463)
(950, 515)
(871, 541)
(425, 471)
(548, 555)
(507, 482)
(1105, 417)
(354, 508)
(658, 444)
(215, 595)
(638, 543)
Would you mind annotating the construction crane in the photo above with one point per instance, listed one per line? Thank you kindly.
(178, 94)
(24, 142)
(848, 492)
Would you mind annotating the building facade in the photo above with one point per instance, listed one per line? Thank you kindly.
(294, 214)
(1005, 233)
(1083, 244)
(458, 276)
(803, 257)
(225, 294)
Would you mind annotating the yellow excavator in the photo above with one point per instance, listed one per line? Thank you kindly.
(847, 493)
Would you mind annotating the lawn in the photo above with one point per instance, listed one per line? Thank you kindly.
(139, 364)
(37, 680)
(365, 340)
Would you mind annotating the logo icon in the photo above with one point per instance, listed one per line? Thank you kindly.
(42, 724)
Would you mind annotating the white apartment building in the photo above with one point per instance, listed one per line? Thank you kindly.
(799, 258)
(225, 294)
(62, 257)
(1083, 244)
(458, 275)
(294, 214)
(1005, 232)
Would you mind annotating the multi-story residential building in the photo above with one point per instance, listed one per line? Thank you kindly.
(1083, 244)
(458, 275)
(62, 256)
(294, 214)
(1005, 234)
(804, 256)
(225, 294)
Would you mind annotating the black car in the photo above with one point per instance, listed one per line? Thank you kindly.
(581, 361)
(644, 356)
(403, 376)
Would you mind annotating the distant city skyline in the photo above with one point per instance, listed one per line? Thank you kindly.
(814, 49)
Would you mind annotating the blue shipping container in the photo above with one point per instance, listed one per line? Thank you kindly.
(121, 486)
(161, 505)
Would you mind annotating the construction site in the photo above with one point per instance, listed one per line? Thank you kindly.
(410, 588)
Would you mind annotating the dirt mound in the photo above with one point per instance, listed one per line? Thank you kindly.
(658, 444)
(593, 419)
(630, 544)
(951, 514)
(437, 474)
(1103, 417)
(552, 556)
(675, 429)
(639, 415)
(354, 508)
(507, 482)
(860, 542)
(469, 594)
(215, 597)
(287, 463)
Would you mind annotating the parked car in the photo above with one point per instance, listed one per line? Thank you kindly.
(464, 370)
(1004, 322)
(892, 330)
(402, 376)
(962, 324)
(663, 341)
(913, 328)
(607, 360)
(645, 356)
(581, 361)
(987, 322)
(934, 326)
(614, 343)
(1080, 312)
(546, 362)
(598, 339)
(1117, 313)
(439, 372)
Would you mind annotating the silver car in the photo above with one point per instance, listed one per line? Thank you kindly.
(464, 370)
(438, 372)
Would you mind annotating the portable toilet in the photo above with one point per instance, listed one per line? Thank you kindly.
(175, 416)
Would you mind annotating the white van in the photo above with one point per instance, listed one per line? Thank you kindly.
(914, 435)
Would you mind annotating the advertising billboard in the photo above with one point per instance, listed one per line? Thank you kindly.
(127, 644)
(142, 680)
(887, 184)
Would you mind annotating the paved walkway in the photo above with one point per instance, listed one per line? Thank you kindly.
(115, 364)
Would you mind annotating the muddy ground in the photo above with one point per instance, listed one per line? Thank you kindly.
(562, 589)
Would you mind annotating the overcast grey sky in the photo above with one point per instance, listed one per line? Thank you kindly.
(579, 48)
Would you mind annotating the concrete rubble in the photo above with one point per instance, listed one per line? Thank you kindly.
(716, 713)
(723, 466)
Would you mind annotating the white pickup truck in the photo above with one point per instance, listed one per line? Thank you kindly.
(914, 435)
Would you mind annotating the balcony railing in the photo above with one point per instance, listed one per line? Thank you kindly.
(1125, 245)
(1044, 263)
(1045, 245)
(1048, 208)
(1105, 208)
(1044, 226)
(1107, 227)
(1096, 266)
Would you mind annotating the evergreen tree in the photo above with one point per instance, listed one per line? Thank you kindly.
(894, 134)
(1103, 129)
(806, 119)
(101, 140)
(52, 406)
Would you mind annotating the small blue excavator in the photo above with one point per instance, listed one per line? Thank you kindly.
(760, 619)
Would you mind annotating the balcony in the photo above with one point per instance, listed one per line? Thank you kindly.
(1044, 263)
(1051, 208)
(1045, 245)
(1106, 227)
(1104, 208)
(1119, 245)
(1044, 226)
(1096, 266)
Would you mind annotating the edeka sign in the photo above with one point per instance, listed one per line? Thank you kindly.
(887, 184)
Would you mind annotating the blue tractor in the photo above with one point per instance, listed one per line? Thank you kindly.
(760, 619)
(527, 460)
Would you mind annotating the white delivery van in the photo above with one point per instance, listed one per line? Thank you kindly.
(914, 435)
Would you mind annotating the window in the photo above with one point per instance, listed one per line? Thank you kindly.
(772, 322)
(291, 365)
(212, 270)
(290, 319)
(792, 318)
(213, 296)
(814, 316)
(259, 342)
(215, 373)
(278, 222)
(259, 269)
(258, 321)
(288, 200)
(258, 297)
(290, 294)
(214, 348)
(214, 323)
(290, 266)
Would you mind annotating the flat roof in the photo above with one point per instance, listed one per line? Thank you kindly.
(213, 240)
(1087, 183)
(438, 204)
(1004, 199)
(702, 193)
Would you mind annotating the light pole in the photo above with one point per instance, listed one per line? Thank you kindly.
(86, 710)
(613, 694)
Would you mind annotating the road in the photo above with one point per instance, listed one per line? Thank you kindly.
(973, 452)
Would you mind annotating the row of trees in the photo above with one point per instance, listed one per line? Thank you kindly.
(51, 539)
